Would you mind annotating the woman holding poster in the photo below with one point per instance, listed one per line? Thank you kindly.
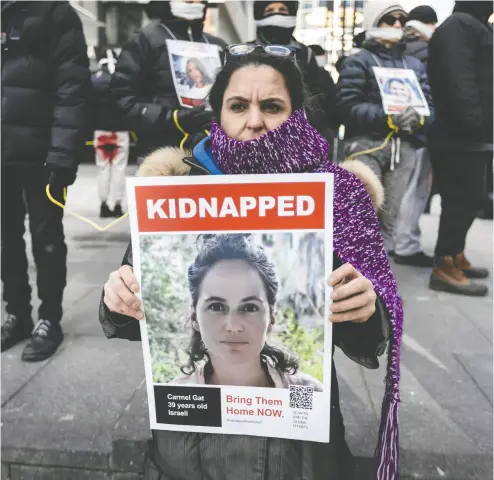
(234, 287)
(258, 100)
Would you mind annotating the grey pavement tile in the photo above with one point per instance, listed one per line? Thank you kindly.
(5, 472)
(22, 472)
(424, 423)
(16, 374)
(126, 476)
(442, 328)
(89, 386)
(128, 455)
(458, 397)
(479, 367)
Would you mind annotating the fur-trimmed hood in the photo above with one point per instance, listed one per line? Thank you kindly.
(167, 162)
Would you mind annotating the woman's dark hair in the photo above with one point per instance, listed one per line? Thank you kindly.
(286, 66)
(212, 249)
(206, 79)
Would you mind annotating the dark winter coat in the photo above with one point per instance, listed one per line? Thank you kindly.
(142, 84)
(105, 113)
(418, 48)
(357, 92)
(191, 456)
(461, 76)
(45, 84)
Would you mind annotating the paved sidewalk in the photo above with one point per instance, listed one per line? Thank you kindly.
(82, 415)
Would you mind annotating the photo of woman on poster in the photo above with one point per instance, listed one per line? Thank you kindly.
(400, 91)
(233, 287)
(200, 82)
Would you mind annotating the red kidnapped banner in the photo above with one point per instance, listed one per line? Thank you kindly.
(231, 207)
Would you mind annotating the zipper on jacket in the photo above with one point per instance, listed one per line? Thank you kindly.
(195, 165)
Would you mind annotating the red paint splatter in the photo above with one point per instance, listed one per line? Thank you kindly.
(107, 146)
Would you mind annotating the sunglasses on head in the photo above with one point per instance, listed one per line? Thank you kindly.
(391, 19)
(246, 48)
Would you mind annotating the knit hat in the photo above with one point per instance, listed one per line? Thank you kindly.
(424, 14)
(259, 8)
(374, 10)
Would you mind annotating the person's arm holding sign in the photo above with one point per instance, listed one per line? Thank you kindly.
(360, 320)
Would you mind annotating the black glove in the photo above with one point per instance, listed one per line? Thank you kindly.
(61, 178)
(407, 120)
(192, 120)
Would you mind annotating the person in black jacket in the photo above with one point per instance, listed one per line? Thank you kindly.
(275, 23)
(360, 106)
(142, 84)
(45, 90)
(461, 139)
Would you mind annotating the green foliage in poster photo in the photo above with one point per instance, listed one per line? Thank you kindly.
(299, 327)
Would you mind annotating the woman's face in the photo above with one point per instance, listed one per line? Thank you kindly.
(255, 102)
(194, 73)
(232, 312)
(401, 91)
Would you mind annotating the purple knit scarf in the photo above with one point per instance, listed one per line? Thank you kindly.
(293, 147)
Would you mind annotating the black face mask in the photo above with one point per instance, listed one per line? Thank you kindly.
(275, 35)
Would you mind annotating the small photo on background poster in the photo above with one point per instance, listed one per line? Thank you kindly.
(233, 283)
(194, 68)
(400, 89)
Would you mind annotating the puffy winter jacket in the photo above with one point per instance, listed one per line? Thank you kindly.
(105, 113)
(461, 76)
(142, 84)
(357, 92)
(45, 84)
(418, 48)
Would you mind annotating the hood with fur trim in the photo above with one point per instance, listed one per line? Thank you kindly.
(167, 162)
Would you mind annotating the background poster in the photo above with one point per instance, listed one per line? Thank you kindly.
(234, 275)
(194, 67)
(400, 89)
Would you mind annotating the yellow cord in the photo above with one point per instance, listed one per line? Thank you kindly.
(180, 129)
(394, 129)
(80, 217)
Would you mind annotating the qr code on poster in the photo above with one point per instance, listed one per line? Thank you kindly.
(301, 396)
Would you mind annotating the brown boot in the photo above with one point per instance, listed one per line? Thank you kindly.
(462, 263)
(446, 277)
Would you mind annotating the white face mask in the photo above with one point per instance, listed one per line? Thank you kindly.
(283, 21)
(321, 61)
(187, 11)
(425, 30)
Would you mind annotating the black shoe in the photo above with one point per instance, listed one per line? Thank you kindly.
(419, 259)
(15, 329)
(117, 211)
(105, 211)
(46, 338)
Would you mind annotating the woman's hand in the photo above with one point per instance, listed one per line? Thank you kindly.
(354, 299)
(120, 290)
